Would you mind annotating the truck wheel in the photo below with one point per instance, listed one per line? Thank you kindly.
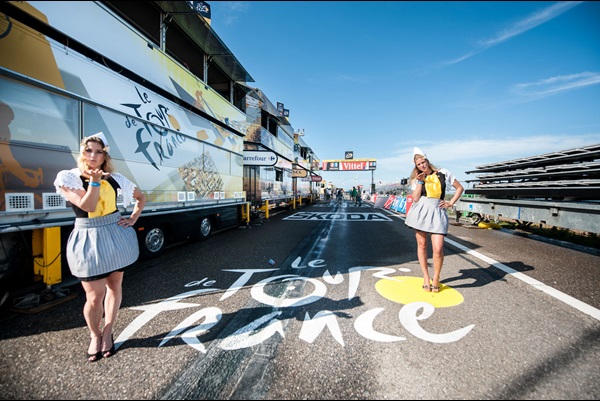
(474, 219)
(205, 228)
(152, 243)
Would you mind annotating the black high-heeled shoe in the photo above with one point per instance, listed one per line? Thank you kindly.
(94, 357)
(111, 351)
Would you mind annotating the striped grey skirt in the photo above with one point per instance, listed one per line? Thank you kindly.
(99, 245)
(426, 215)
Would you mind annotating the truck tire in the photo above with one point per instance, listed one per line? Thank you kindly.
(205, 228)
(474, 218)
(152, 242)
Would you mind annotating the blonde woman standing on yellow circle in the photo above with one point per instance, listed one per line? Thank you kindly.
(428, 216)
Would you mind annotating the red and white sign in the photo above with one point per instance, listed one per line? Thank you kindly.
(389, 202)
(349, 165)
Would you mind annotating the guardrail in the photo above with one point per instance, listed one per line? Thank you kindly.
(582, 216)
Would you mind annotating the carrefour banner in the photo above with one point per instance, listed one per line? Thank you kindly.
(259, 158)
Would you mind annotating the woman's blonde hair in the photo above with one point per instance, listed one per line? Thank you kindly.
(107, 166)
(416, 171)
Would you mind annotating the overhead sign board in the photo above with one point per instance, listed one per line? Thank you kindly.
(316, 178)
(298, 172)
(259, 158)
(349, 165)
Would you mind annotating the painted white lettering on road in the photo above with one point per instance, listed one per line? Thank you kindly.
(151, 311)
(313, 327)
(338, 216)
(248, 336)
(259, 294)
(364, 326)
(213, 316)
(408, 318)
(264, 327)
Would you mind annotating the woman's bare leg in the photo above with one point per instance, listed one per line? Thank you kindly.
(112, 303)
(422, 255)
(437, 244)
(93, 311)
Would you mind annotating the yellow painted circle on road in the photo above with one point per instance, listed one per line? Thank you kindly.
(405, 290)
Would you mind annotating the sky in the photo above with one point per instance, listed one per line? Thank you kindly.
(470, 83)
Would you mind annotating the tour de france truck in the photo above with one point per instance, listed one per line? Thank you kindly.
(61, 82)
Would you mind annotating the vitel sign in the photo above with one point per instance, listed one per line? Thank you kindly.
(259, 158)
(349, 165)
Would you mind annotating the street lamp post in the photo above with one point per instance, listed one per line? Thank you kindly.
(372, 182)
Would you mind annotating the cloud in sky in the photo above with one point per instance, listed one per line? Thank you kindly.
(530, 91)
(466, 155)
(351, 79)
(555, 85)
(233, 11)
(460, 157)
(520, 27)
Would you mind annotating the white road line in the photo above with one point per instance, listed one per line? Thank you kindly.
(553, 292)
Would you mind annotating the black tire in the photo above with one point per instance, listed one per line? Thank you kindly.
(474, 219)
(152, 242)
(205, 229)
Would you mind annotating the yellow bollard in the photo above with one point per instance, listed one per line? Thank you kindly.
(265, 207)
(46, 254)
(246, 213)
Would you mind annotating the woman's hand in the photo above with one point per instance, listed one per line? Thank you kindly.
(95, 174)
(445, 204)
(126, 222)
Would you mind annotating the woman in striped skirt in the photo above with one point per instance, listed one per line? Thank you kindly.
(427, 215)
(102, 242)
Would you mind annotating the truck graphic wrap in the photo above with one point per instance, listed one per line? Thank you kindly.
(154, 141)
(178, 130)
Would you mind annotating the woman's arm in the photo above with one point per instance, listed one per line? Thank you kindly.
(86, 200)
(416, 193)
(137, 209)
(139, 205)
(419, 182)
(459, 191)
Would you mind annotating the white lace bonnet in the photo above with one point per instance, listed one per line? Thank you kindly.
(100, 135)
(417, 151)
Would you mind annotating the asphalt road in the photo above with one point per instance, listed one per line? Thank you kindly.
(339, 315)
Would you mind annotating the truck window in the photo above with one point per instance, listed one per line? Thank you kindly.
(40, 117)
